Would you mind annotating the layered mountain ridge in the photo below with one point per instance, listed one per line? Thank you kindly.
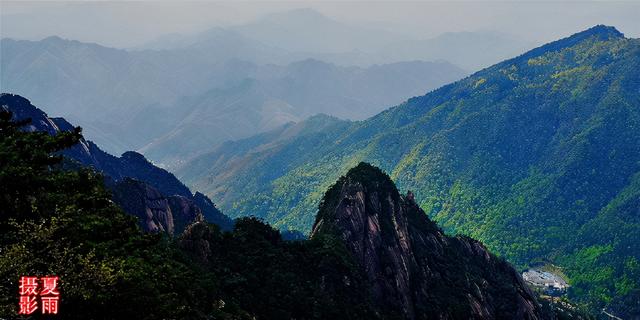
(129, 100)
(155, 196)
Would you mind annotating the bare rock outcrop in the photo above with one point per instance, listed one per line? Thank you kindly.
(414, 270)
(155, 212)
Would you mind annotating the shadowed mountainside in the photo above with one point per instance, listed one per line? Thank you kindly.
(142, 189)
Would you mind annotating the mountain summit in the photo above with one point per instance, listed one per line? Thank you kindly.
(595, 33)
(413, 269)
(603, 32)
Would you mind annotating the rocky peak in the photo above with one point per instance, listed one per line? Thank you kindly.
(412, 268)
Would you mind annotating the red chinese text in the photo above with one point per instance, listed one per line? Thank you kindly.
(46, 289)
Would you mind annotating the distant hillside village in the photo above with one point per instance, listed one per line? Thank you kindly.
(550, 283)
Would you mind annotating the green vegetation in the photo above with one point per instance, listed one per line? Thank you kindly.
(55, 221)
(58, 221)
(538, 157)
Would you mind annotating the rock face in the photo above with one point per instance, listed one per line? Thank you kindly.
(184, 211)
(148, 204)
(155, 211)
(161, 201)
(413, 269)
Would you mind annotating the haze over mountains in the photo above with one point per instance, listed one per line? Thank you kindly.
(537, 156)
(146, 99)
(274, 96)
(305, 33)
(117, 93)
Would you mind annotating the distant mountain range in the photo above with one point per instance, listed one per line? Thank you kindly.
(128, 99)
(296, 33)
(155, 196)
(142, 99)
(87, 82)
(469, 50)
(537, 156)
(274, 96)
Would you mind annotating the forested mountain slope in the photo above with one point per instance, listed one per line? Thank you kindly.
(537, 156)
(60, 220)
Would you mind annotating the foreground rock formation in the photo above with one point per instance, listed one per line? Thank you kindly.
(413, 269)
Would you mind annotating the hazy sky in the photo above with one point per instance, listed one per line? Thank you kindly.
(128, 24)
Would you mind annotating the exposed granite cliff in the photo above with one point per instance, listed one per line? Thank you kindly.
(145, 202)
(184, 211)
(155, 211)
(413, 268)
